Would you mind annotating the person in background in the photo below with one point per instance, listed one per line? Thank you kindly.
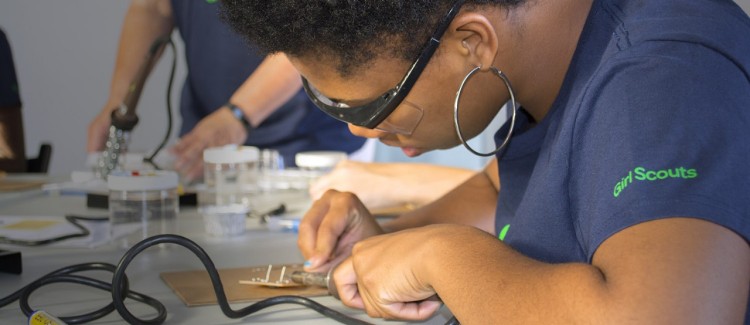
(12, 146)
(230, 95)
(386, 185)
(620, 187)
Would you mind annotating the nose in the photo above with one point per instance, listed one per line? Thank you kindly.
(365, 132)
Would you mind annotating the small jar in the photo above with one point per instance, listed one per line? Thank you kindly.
(319, 161)
(230, 173)
(231, 178)
(313, 164)
(142, 204)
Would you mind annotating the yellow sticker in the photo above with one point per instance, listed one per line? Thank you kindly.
(31, 225)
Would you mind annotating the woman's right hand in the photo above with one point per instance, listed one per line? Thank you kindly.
(99, 129)
(331, 227)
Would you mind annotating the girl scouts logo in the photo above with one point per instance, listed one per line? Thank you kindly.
(643, 174)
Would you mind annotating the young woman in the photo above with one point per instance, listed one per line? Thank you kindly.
(620, 186)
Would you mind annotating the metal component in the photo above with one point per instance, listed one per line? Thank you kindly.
(320, 279)
(266, 276)
(116, 146)
(268, 273)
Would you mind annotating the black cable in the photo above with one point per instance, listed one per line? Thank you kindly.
(120, 289)
(150, 159)
(66, 274)
(71, 219)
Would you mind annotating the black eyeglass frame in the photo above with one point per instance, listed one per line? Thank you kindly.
(370, 115)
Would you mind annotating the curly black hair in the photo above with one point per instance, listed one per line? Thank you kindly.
(347, 32)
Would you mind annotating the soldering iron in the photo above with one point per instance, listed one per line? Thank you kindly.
(124, 118)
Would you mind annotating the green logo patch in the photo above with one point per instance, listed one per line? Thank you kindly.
(643, 174)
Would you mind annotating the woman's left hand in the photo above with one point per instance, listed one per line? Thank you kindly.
(388, 276)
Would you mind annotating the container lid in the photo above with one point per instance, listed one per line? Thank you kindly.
(142, 180)
(231, 154)
(319, 159)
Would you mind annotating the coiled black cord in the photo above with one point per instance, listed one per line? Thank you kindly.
(66, 274)
(120, 289)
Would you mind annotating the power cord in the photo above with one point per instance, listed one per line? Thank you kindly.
(120, 289)
(120, 286)
(150, 159)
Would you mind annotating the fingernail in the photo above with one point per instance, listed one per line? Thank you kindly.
(313, 262)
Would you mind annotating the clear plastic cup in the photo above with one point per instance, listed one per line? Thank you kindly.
(142, 204)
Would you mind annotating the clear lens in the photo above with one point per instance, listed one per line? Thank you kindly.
(403, 120)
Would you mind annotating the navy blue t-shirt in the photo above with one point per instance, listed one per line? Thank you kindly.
(652, 121)
(219, 61)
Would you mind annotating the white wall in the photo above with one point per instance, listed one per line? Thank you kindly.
(64, 53)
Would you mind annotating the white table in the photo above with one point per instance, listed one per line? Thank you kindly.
(258, 246)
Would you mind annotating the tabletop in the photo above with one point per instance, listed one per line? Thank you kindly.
(257, 246)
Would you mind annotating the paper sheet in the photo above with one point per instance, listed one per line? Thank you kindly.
(36, 228)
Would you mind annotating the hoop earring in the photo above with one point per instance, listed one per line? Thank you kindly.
(502, 76)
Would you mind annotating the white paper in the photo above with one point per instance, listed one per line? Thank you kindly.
(36, 228)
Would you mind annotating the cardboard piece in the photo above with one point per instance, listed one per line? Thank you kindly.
(194, 287)
(12, 186)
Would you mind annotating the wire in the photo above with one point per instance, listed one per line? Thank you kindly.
(120, 289)
(66, 274)
(150, 159)
(71, 219)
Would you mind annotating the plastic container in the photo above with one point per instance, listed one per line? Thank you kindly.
(319, 161)
(311, 165)
(224, 221)
(230, 174)
(142, 204)
(231, 179)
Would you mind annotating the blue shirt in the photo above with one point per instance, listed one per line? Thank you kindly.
(652, 121)
(219, 61)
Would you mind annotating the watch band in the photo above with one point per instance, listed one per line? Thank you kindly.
(238, 114)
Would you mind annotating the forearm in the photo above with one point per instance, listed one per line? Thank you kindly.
(668, 271)
(423, 183)
(493, 284)
(271, 85)
(471, 203)
(145, 21)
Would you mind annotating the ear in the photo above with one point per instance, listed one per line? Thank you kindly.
(474, 37)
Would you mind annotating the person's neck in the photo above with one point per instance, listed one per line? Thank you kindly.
(546, 50)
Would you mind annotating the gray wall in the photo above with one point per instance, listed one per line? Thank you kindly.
(64, 52)
(745, 4)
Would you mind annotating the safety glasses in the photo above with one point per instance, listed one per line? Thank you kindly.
(379, 114)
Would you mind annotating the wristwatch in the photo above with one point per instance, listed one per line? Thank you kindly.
(238, 114)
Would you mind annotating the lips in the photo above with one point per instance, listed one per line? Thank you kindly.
(411, 151)
(408, 150)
